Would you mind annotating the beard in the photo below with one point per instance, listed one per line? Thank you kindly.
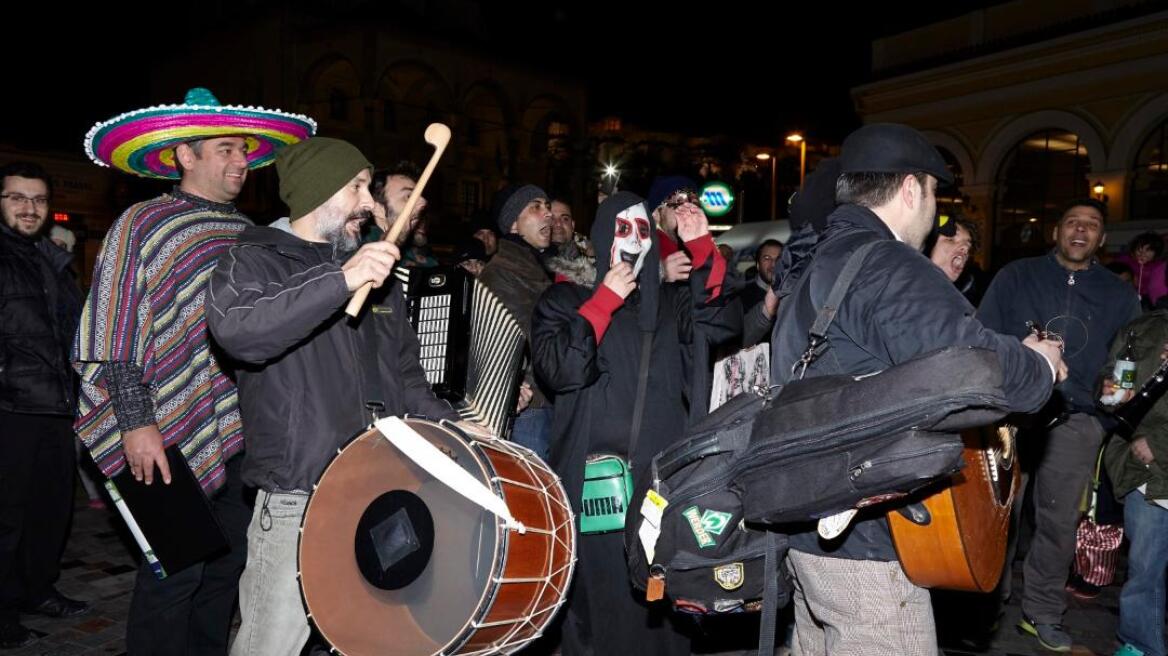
(334, 231)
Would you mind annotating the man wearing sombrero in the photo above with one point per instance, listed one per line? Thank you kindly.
(149, 378)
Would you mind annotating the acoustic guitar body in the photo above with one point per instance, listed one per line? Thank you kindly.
(963, 544)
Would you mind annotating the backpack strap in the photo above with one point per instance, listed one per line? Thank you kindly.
(770, 597)
(817, 336)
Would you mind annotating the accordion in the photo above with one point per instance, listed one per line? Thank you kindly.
(471, 346)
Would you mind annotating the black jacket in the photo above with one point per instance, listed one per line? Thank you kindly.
(596, 384)
(900, 306)
(1088, 308)
(40, 305)
(277, 308)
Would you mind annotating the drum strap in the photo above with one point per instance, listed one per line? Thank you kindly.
(440, 466)
(374, 400)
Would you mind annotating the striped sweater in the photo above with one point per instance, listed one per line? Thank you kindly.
(146, 307)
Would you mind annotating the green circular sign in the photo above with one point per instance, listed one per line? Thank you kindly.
(717, 199)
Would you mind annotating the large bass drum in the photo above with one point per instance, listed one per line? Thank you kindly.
(394, 562)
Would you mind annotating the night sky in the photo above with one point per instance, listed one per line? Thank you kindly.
(739, 69)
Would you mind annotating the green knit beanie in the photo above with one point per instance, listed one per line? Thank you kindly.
(312, 170)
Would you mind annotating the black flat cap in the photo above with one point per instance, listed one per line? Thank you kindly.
(892, 148)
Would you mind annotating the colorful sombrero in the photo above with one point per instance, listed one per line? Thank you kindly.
(142, 141)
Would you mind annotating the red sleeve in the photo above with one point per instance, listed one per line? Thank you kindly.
(700, 250)
(598, 309)
(665, 245)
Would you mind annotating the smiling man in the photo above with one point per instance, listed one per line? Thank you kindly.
(1078, 298)
(149, 378)
(39, 304)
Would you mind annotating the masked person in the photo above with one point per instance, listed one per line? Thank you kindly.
(611, 344)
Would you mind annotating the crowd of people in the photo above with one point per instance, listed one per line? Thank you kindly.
(204, 331)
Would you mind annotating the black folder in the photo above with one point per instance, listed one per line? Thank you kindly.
(174, 524)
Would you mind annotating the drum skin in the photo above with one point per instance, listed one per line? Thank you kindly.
(486, 589)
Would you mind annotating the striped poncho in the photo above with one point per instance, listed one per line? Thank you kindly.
(146, 307)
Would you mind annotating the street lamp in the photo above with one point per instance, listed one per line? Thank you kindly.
(794, 138)
(612, 175)
(764, 157)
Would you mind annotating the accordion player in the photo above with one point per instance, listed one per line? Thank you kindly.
(472, 347)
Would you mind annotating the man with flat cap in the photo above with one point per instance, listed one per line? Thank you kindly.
(276, 306)
(851, 594)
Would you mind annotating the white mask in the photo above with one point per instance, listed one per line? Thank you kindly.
(632, 238)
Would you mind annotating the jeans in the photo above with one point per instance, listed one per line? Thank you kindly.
(274, 619)
(533, 429)
(1141, 602)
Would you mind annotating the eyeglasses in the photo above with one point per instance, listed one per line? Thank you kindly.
(21, 199)
(681, 198)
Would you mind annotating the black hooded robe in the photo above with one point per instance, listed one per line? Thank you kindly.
(595, 387)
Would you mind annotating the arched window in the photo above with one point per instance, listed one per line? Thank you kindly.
(1040, 174)
(550, 138)
(1149, 184)
(388, 117)
(332, 92)
(338, 105)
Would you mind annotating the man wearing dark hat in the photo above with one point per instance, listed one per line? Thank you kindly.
(486, 230)
(1079, 299)
(851, 594)
(670, 197)
(517, 276)
(149, 377)
(667, 194)
(471, 257)
(277, 308)
(610, 342)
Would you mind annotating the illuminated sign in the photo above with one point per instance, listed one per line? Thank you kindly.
(717, 199)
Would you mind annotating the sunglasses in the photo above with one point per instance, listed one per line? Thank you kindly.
(679, 198)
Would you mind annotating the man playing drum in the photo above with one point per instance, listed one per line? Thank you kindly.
(309, 377)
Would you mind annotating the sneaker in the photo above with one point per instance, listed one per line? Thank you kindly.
(1128, 650)
(1050, 636)
(60, 606)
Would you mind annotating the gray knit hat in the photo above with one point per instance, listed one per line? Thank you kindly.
(312, 170)
(514, 203)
